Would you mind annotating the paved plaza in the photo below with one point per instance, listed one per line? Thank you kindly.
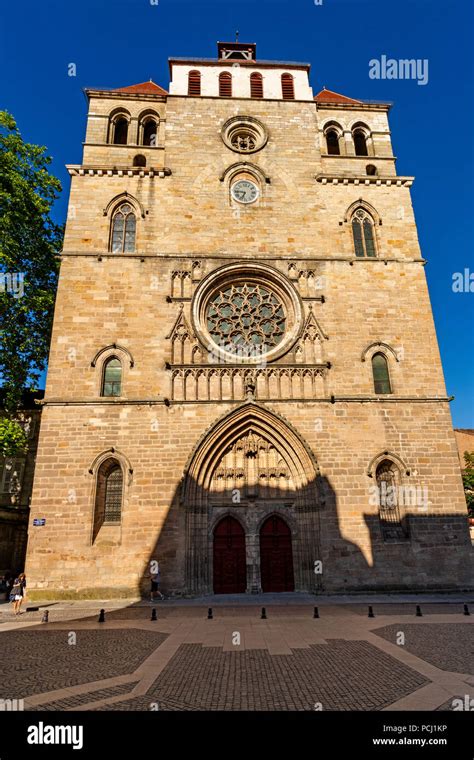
(183, 661)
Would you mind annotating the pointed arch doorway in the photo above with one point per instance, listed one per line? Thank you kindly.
(249, 466)
(229, 564)
(276, 556)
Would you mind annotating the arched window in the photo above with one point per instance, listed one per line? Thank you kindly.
(120, 131)
(256, 85)
(225, 85)
(139, 160)
(287, 87)
(194, 83)
(392, 524)
(122, 238)
(360, 142)
(112, 377)
(109, 494)
(332, 143)
(371, 170)
(363, 232)
(381, 374)
(149, 132)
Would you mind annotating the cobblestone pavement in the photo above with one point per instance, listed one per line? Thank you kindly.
(448, 646)
(342, 660)
(45, 660)
(339, 675)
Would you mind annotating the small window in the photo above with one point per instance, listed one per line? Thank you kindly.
(360, 143)
(139, 160)
(11, 475)
(112, 380)
(332, 142)
(256, 85)
(120, 131)
(149, 133)
(380, 372)
(225, 85)
(194, 83)
(392, 523)
(287, 87)
(123, 230)
(109, 494)
(113, 495)
(371, 170)
(363, 233)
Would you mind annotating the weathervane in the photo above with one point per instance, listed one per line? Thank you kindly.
(237, 36)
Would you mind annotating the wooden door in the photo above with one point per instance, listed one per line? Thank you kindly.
(276, 556)
(230, 570)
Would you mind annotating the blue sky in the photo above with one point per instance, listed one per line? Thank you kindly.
(119, 42)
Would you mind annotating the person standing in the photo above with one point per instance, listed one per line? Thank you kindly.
(18, 593)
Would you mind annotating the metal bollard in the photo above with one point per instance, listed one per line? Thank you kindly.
(466, 610)
(153, 614)
(316, 612)
(101, 616)
(371, 612)
(418, 611)
(209, 613)
(263, 616)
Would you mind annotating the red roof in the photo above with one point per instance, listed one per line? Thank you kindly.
(328, 96)
(145, 88)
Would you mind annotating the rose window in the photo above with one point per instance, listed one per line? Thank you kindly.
(246, 317)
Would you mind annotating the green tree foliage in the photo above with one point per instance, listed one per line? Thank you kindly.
(468, 480)
(13, 439)
(29, 245)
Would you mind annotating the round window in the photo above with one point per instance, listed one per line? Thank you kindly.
(244, 312)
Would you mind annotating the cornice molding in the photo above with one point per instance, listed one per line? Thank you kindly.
(363, 179)
(75, 170)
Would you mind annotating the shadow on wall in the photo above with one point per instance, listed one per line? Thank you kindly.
(426, 552)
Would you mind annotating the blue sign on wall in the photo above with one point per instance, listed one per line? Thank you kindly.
(39, 521)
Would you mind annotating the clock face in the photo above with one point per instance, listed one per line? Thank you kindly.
(244, 191)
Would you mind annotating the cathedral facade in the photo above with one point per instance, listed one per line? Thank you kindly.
(244, 379)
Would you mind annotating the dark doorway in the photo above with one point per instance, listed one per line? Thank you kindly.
(276, 556)
(230, 571)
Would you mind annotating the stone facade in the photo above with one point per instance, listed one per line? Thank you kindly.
(198, 433)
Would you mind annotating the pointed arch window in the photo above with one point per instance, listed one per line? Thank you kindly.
(360, 142)
(112, 377)
(225, 85)
(109, 494)
(332, 143)
(122, 238)
(287, 87)
(256, 85)
(381, 374)
(194, 83)
(392, 523)
(363, 232)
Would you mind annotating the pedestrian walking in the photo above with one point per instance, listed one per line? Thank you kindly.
(155, 583)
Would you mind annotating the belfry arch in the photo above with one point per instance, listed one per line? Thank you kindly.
(249, 465)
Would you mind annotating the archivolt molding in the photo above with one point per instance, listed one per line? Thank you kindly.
(395, 458)
(244, 166)
(122, 198)
(113, 348)
(365, 205)
(379, 346)
(248, 417)
(111, 453)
